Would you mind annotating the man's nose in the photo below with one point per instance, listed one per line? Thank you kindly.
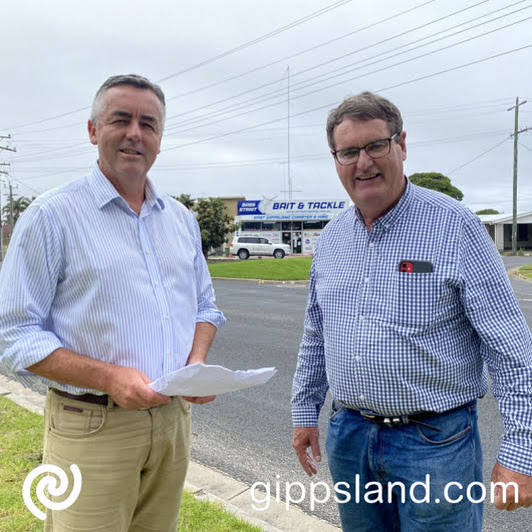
(364, 160)
(133, 130)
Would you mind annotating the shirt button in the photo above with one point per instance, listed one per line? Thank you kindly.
(156, 284)
(371, 244)
(362, 318)
(147, 252)
(166, 317)
(361, 398)
(366, 280)
(168, 353)
(358, 359)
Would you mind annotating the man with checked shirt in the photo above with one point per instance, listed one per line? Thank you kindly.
(409, 307)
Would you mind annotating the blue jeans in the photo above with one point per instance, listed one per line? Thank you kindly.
(362, 452)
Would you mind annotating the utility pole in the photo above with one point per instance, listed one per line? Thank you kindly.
(515, 135)
(288, 136)
(8, 137)
(10, 209)
(1, 226)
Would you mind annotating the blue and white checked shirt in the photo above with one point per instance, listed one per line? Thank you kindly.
(84, 272)
(399, 343)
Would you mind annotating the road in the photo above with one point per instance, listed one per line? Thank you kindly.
(247, 434)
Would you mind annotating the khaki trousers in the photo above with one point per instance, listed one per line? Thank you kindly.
(133, 464)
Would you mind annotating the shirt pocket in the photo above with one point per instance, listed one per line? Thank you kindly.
(416, 299)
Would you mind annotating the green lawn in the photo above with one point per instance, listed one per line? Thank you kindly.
(526, 271)
(21, 434)
(20, 453)
(287, 269)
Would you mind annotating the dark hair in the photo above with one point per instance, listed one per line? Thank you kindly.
(364, 106)
(132, 80)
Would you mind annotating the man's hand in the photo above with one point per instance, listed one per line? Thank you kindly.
(305, 437)
(199, 400)
(128, 387)
(524, 486)
(203, 338)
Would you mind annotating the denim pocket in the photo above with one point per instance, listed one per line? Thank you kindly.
(74, 419)
(448, 428)
(335, 409)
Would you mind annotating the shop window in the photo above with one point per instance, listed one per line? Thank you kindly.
(251, 226)
(271, 226)
(312, 224)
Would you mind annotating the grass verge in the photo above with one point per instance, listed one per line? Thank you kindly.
(292, 269)
(21, 435)
(526, 271)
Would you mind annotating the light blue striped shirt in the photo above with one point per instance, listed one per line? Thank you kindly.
(85, 272)
(399, 342)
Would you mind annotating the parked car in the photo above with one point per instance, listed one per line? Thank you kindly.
(244, 246)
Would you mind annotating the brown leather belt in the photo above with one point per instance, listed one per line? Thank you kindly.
(85, 398)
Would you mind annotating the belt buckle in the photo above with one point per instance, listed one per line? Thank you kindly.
(382, 420)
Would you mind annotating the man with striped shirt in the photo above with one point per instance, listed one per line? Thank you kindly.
(409, 303)
(104, 289)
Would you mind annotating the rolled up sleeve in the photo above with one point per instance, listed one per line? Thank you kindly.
(28, 281)
(207, 309)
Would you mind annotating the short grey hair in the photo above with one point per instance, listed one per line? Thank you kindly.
(131, 80)
(364, 106)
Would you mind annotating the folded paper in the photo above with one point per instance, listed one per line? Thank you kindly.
(198, 380)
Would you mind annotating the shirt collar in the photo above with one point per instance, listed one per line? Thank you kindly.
(105, 192)
(391, 217)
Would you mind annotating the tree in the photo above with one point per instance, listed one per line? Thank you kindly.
(438, 182)
(185, 199)
(212, 218)
(214, 223)
(487, 211)
(20, 204)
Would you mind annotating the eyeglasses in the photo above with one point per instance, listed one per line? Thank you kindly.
(376, 149)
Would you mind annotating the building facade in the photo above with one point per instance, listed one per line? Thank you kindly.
(297, 223)
(499, 226)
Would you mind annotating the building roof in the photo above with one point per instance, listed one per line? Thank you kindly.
(493, 219)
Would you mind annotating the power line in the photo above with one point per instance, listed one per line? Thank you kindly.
(478, 156)
(258, 39)
(282, 158)
(52, 118)
(330, 105)
(24, 185)
(212, 59)
(388, 39)
(311, 49)
(211, 122)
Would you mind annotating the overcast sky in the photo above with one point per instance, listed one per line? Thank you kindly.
(453, 68)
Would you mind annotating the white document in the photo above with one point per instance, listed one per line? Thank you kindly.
(198, 380)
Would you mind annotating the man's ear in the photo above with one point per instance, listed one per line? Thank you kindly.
(92, 132)
(402, 142)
